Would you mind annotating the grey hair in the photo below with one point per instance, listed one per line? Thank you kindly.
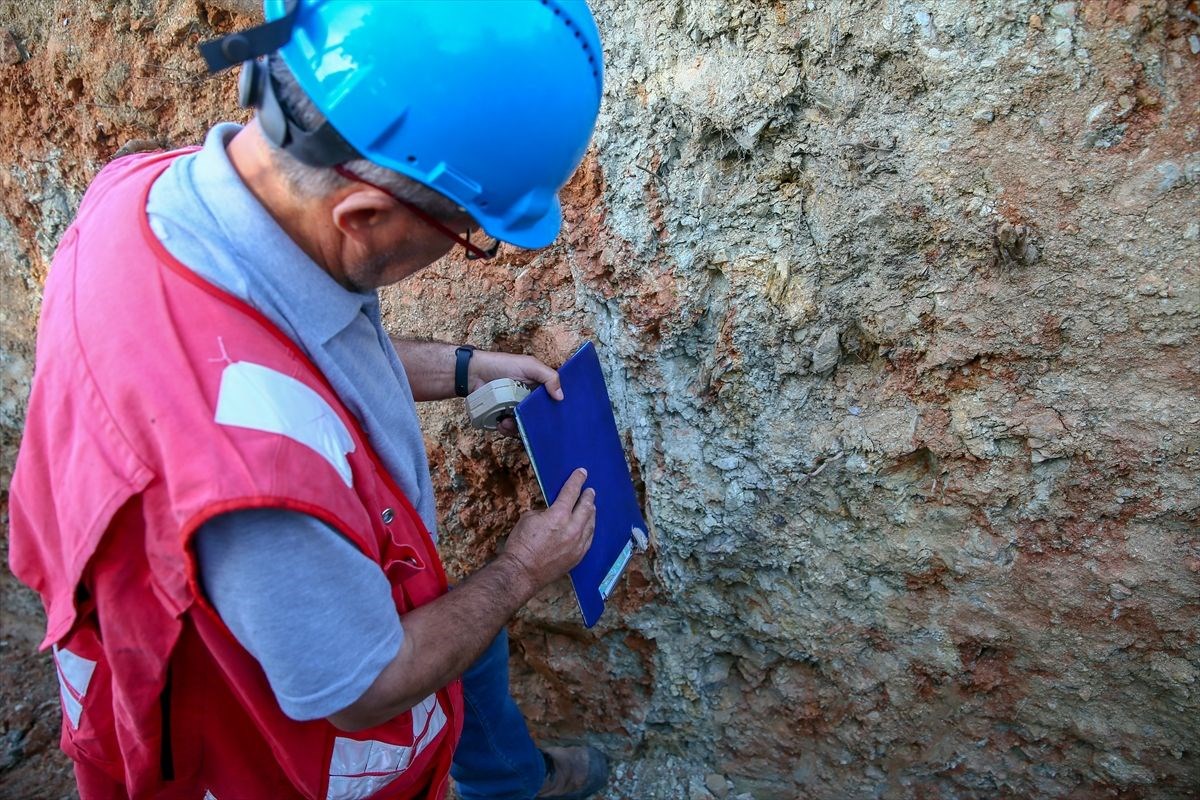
(320, 181)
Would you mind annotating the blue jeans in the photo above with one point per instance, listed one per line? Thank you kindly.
(496, 759)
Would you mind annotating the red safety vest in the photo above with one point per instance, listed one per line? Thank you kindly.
(158, 402)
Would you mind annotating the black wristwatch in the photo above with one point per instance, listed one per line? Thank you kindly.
(462, 360)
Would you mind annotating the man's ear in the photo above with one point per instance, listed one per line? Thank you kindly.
(362, 209)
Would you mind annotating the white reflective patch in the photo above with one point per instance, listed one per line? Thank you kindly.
(428, 721)
(209, 796)
(359, 769)
(71, 706)
(74, 676)
(77, 670)
(262, 399)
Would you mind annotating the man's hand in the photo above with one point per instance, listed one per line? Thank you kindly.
(489, 365)
(430, 370)
(444, 637)
(547, 544)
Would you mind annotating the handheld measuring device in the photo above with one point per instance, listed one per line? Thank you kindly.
(495, 400)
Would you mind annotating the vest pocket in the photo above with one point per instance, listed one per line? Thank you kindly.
(404, 563)
(403, 566)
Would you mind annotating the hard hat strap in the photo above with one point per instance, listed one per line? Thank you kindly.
(228, 51)
(322, 147)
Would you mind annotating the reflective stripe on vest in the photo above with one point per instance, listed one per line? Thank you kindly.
(74, 675)
(359, 769)
(262, 399)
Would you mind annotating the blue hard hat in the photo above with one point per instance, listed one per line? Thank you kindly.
(489, 102)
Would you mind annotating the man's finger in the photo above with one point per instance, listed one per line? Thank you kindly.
(585, 545)
(589, 531)
(547, 377)
(586, 505)
(570, 491)
(554, 387)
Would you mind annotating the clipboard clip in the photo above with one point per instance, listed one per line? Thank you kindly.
(641, 542)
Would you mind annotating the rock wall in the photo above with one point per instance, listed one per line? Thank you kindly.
(899, 305)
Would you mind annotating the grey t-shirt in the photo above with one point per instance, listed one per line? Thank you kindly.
(314, 611)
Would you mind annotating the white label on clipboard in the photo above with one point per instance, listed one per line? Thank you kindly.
(610, 580)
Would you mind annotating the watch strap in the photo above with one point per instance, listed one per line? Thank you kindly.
(462, 360)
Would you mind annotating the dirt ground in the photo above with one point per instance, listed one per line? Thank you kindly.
(31, 765)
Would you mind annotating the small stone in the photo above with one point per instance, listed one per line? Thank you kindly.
(137, 146)
(727, 463)
(1123, 771)
(717, 785)
(983, 115)
(827, 352)
(1063, 41)
(10, 51)
(1192, 231)
(1096, 113)
(1013, 244)
(1194, 43)
(1035, 21)
(1063, 13)
(1170, 176)
(1119, 591)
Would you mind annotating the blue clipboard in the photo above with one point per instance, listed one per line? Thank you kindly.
(579, 431)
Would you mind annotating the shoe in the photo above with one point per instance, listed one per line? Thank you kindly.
(573, 773)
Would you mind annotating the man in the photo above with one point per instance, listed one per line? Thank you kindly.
(222, 494)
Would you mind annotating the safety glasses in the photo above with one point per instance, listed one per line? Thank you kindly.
(485, 249)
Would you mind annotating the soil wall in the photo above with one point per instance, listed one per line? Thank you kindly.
(899, 306)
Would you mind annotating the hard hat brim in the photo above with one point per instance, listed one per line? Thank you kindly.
(528, 235)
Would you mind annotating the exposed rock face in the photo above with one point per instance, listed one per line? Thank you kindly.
(899, 304)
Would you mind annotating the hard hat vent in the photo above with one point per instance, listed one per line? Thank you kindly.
(574, 28)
